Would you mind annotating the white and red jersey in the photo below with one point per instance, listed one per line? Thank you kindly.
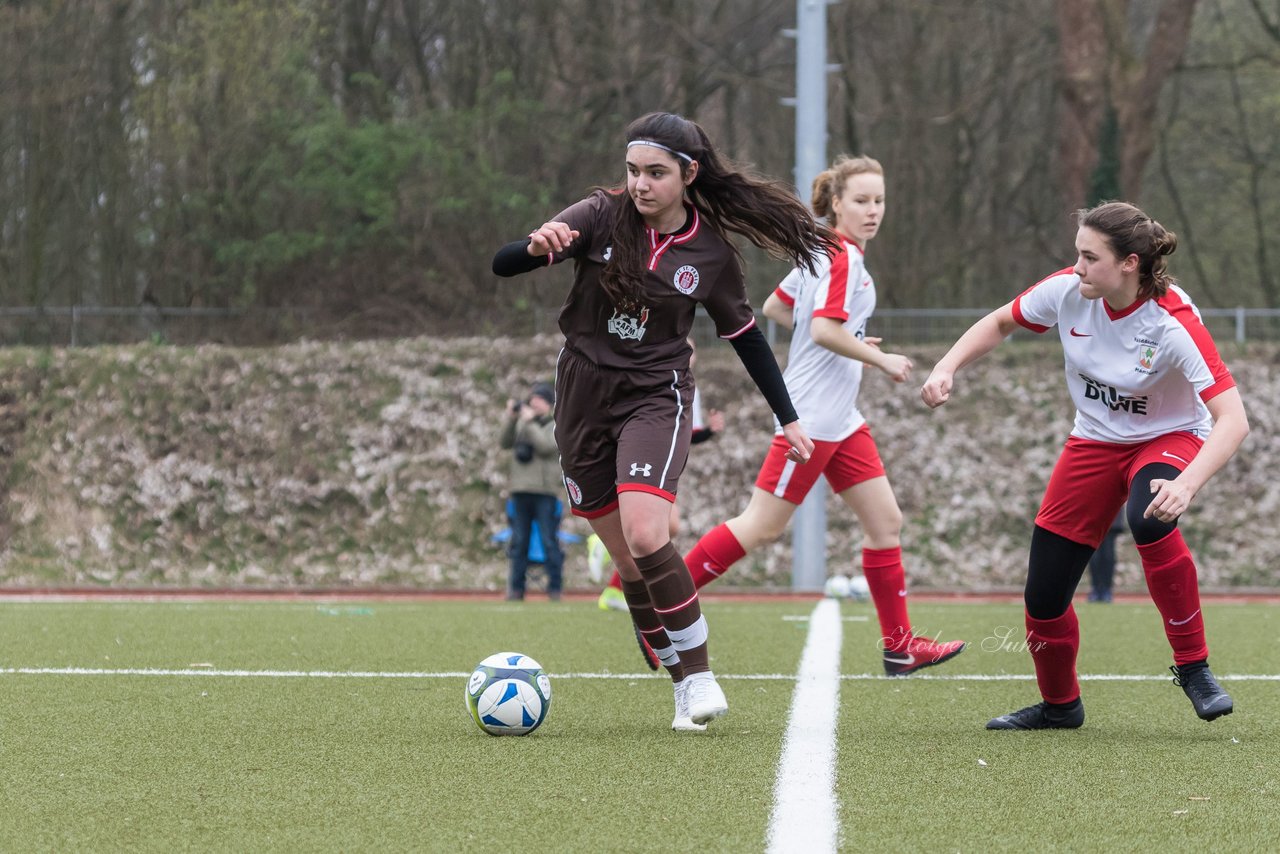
(824, 385)
(1134, 374)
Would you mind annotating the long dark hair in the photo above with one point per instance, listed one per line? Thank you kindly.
(1129, 231)
(730, 199)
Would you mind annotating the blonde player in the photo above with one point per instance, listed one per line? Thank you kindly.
(828, 313)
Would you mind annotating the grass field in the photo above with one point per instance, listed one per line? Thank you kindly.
(340, 726)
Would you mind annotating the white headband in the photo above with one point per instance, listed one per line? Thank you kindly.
(653, 144)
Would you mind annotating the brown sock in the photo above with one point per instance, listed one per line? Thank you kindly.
(675, 601)
(646, 620)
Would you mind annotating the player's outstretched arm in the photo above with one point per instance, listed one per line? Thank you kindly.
(756, 356)
(1230, 425)
(778, 311)
(833, 335)
(521, 256)
(980, 339)
(551, 237)
(801, 444)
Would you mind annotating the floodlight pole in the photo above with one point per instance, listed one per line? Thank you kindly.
(809, 531)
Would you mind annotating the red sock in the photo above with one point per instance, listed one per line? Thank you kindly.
(1171, 580)
(615, 580)
(888, 584)
(1053, 645)
(718, 550)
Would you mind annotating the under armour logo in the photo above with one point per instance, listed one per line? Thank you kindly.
(642, 470)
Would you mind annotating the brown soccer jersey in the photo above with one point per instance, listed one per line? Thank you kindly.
(623, 385)
(694, 266)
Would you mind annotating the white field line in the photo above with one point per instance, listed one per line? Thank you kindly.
(630, 677)
(805, 812)
(804, 618)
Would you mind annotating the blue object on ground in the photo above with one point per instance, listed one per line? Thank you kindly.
(537, 554)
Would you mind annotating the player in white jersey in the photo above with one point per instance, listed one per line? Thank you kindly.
(1157, 414)
(828, 312)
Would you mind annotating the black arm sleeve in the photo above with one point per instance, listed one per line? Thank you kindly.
(700, 436)
(514, 259)
(753, 350)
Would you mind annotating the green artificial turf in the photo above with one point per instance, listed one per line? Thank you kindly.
(113, 761)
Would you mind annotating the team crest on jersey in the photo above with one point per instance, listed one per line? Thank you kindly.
(686, 279)
(629, 328)
(575, 491)
(1146, 357)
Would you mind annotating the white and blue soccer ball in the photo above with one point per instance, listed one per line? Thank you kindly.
(837, 587)
(859, 589)
(508, 694)
(847, 587)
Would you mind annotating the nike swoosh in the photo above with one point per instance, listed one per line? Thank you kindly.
(710, 567)
(1080, 334)
(895, 659)
(1174, 457)
(1174, 622)
(902, 592)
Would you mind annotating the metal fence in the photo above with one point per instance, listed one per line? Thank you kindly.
(934, 325)
(76, 326)
(79, 326)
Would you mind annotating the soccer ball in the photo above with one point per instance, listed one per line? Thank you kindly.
(837, 587)
(858, 588)
(508, 694)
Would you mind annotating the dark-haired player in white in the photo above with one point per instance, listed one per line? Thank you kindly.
(1157, 415)
(644, 259)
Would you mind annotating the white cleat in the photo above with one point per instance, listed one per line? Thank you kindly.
(706, 700)
(682, 722)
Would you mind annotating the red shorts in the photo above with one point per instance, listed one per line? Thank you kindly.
(845, 463)
(1090, 482)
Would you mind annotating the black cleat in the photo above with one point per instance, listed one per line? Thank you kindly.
(1042, 716)
(1204, 692)
(650, 657)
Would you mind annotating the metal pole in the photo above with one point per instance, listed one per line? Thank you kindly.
(809, 531)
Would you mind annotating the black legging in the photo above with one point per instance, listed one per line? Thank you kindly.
(1056, 564)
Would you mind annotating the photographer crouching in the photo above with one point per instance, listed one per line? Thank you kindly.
(536, 485)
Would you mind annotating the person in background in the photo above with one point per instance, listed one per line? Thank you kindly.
(1102, 566)
(705, 428)
(535, 484)
(645, 257)
(827, 312)
(1157, 415)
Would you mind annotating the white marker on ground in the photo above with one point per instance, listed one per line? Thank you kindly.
(208, 670)
(805, 813)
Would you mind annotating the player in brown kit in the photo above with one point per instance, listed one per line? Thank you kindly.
(645, 256)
